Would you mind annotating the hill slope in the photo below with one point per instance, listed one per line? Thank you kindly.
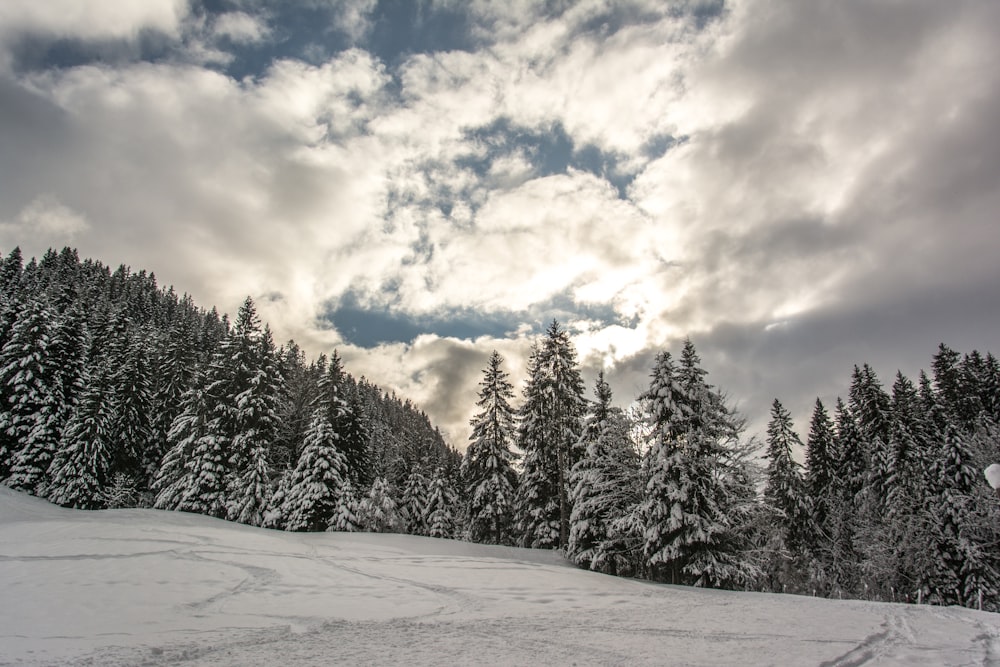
(160, 588)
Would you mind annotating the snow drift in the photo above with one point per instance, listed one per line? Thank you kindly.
(129, 587)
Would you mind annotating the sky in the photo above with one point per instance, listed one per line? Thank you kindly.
(796, 186)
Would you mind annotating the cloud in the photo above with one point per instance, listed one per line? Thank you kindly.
(44, 221)
(234, 181)
(750, 175)
(96, 19)
(28, 27)
(241, 28)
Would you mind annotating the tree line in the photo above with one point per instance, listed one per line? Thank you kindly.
(888, 504)
(115, 392)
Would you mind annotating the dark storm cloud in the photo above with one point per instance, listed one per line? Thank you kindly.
(33, 130)
(811, 356)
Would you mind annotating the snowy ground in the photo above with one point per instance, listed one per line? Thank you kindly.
(142, 587)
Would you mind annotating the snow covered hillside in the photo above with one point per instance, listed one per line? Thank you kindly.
(145, 587)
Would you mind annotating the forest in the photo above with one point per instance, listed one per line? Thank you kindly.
(116, 392)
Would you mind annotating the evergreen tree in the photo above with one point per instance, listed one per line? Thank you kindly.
(870, 410)
(487, 472)
(206, 474)
(130, 405)
(174, 365)
(301, 381)
(820, 478)
(537, 498)
(438, 513)
(316, 483)
(346, 514)
(690, 536)
(377, 512)
(10, 271)
(250, 496)
(175, 475)
(82, 465)
(562, 394)
(414, 502)
(783, 492)
(961, 569)
(347, 418)
(29, 423)
(849, 483)
(605, 488)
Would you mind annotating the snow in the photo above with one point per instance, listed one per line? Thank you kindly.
(992, 473)
(127, 587)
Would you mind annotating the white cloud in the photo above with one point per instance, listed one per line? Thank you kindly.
(94, 19)
(824, 145)
(241, 28)
(45, 221)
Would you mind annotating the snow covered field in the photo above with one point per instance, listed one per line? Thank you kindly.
(143, 587)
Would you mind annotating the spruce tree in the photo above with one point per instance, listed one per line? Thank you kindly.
(346, 513)
(869, 407)
(81, 468)
(347, 417)
(29, 423)
(175, 476)
(413, 504)
(439, 510)
(689, 506)
(562, 395)
(783, 491)
(820, 478)
(487, 471)
(130, 404)
(537, 498)
(315, 485)
(378, 512)
(605, 487)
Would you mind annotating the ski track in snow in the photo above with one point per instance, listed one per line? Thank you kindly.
(141, 587)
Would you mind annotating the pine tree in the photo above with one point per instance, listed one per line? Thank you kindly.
(562, 394)
(783, 491)
(10, 271)
(29, 421)
(605, 488)
(487, 472)
(315, 485)
(870, 408)
(346, 517)
(690, 536)
(848, 485)
(301, 381)
(130, 404)
(377, 512)
(81, 468)
(206, 475)
(414, 502)
(588, 521)
(347, 418)
(256, 428)
(68, 350)
(175, 476)
(438, 512)
(537, 498)
(960, 569)
(174, 366)
(820, 478)
(250, 496)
